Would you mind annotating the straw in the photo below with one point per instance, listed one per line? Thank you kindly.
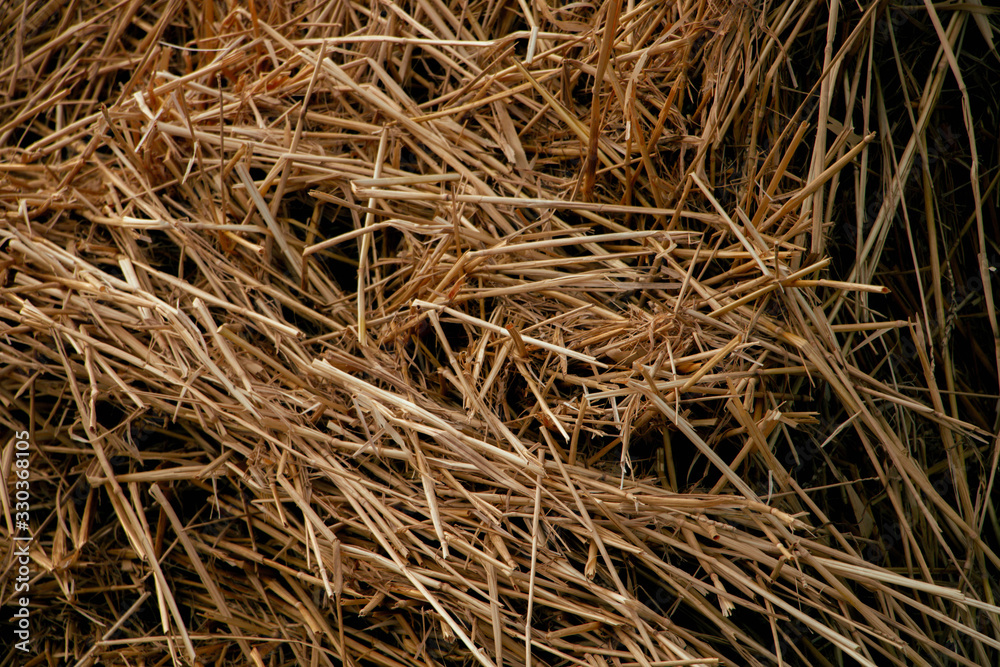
(501, 333)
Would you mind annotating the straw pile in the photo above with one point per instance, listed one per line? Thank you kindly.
(439, 332)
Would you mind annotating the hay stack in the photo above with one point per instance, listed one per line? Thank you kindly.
(422, 333)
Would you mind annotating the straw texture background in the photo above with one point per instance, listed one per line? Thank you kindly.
(502, 333)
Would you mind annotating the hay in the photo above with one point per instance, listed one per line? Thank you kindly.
(502, 333)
